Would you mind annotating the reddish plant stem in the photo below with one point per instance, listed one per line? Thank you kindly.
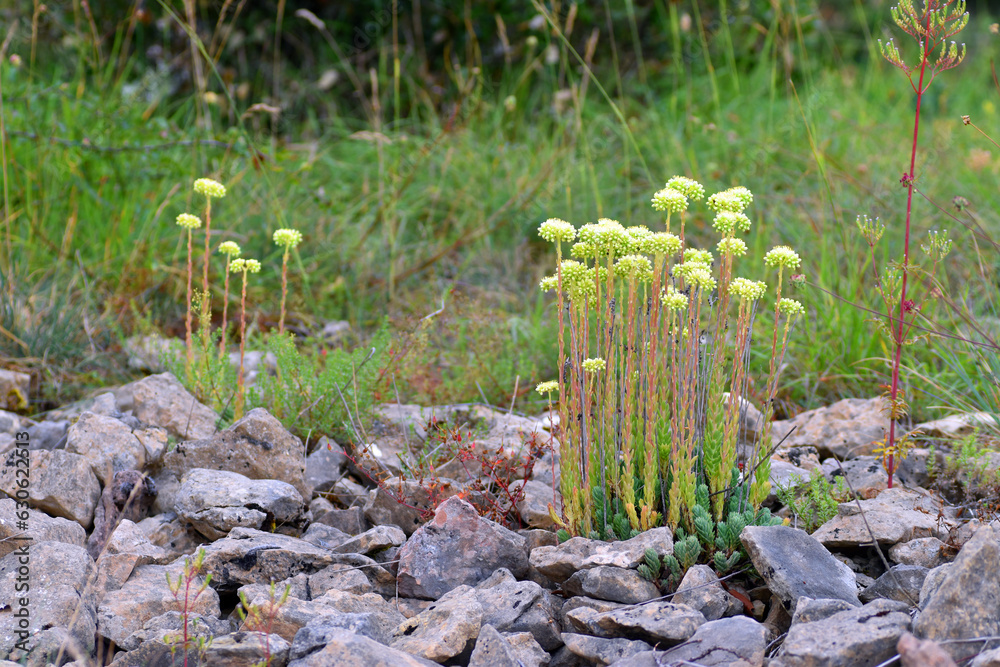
(208, 227)
(284, 291)
(188, 339)
(243, 340)
(894, 389)
(225, 310)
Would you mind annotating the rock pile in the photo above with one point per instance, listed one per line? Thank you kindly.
(145, 471)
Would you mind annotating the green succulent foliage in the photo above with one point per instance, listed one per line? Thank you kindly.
(652, 567)
(687, 551)
(562, 535)
(723, 563)
(610, 518)
(813, 501)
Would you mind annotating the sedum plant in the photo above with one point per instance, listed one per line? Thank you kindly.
(653, 336)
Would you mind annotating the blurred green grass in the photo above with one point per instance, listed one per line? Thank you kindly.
(441, 193)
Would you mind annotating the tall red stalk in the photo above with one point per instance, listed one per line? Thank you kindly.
(894, 388)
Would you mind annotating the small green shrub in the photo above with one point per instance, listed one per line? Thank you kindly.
(813, 502)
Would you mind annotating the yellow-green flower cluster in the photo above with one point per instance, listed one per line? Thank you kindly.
(690, 188)
(578, 281)
(734, 199)
(673, 300)
(698, 256)
(782, 256)
(582, 250)
(594, 365)
(608, 236)
(695, 273)
(549, 283)
(732, 246)
(637, 235)
(229, 248)
(635, 267)
(209, 188)
(661, 243)
(751, 290)
(669, 199)
(547, 387)
(790, 307)
(247, 265)
(554, 229)
(188, 221)
(727, 222)
(289, 238)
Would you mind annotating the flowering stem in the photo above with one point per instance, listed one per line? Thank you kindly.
(187, 323)
(208, 225)
(243, 339)
(225, 309)
(894, 387)
(284, 290)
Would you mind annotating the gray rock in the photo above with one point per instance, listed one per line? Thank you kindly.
(794, 565)
(325, 465)
(346, 649)
(865, 474)
(965, 601)
(457, 548)
(496, 650)
(533, 507)
(600, 651)
(351, 520)
(173, 622)
(372, 541)
(896, 515)
(61, 601)
(662, 623)
(147, 353)
(729, 642)
(41, 528)
(325, 536)
(62, 484)
(848, 428)
(307, 622)
(233, 650)
(107, 443)
(146, 595)
(700, 589)
(904, 586)
(257, 446)
(582, 602)
(613, 584)
(127, 549)
(47, 434)
(513, 606)
(248, 556)
(162, 401)
(863, 636)
(167, 530)
(340, 577)
(128, 496)
(558, 563)
(808, 610)
(926, 552)
(446, 629)
(216, 501)
(957, 426)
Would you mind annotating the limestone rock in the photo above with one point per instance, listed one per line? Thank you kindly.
(915, 652)
(926, 552)
(558, 563)
(613, 584)
(346, 649)
(373, 540)
(445, 629)
(901, 583)
(513, 606)
(108, 444)
(663, 623)
(216, 501)
(248, 556)
(965, 601)
(325, 465)
(848, 428)
(808, 610)
(382, 508)
(600, 651)
(41, 528)
(257, 446)
(729, 642)
(700, 589)
(62, 603)
(14, 388)
(62, 484)
(496, 650)
(457, 547)
(896, 515)
(795, 564)
(862, 636)
(533, 508)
